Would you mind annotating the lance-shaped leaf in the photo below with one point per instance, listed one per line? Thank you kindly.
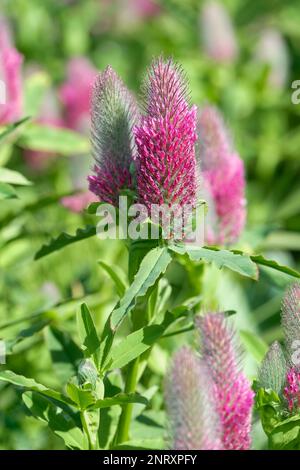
(31, 384)
(13, 177)
(238, 262)
(58, 419)
(88, 334)
(152, 267)
(65, 239)
(291, 323)
(272, 372)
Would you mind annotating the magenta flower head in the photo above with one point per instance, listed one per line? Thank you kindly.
(234, 397)
(272, 50)
(290, 319)
(223, 185)
(75, 93)
(193, 420)
(217, 32)
(292, 390)
(114, 114)
(10, 77)
(165, 139)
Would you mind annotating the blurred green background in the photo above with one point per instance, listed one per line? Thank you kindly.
(265, 127)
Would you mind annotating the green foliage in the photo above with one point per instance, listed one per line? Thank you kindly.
(49, 139)
(283, 432)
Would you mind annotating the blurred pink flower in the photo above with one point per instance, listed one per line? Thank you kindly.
(123, 15)
(272, 50)
(114, 114)
(165, 139)
(223, 185)
(10, 74)
(145, 8)
(217, 32)
(76, 93)
(193, 421)
(78, 202)
(234, 397)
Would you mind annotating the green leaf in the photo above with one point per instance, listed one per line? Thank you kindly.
(260, 259)
(82, 398)
(272, 371)
(13, 177)
(65, 239)
(7, 191)
(6, 150)
(31, 384)
(88, 334)
(254, 345)
(282, 240)
(286, 435)
(35, 88)
(136, 344)
(36, 327)
(65, 353)
(112, 272)
(119, 399)
(267, 403)
(92, 207)
(9, 130)
(236, 261)
(52, 139)
(138, 408)
(58, 420)
(153, 265)
(138, 249)
(289, 207)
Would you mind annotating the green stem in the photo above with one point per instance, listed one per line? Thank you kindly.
(86, 429)
(125, 418)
